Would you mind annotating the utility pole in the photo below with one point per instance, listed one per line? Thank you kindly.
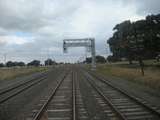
(93, 54)
(48, 56)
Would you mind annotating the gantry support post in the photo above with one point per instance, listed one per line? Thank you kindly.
(93, 54)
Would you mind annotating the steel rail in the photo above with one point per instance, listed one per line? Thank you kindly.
(16, 93)
(127, 94)
(44, 107)
(19, 85)
(119, 114)
(73, 96)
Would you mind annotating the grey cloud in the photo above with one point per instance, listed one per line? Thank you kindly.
(50, 21)
(144, 7)
(149, 6)
(18, 15)
(29, 15)
(3, 31)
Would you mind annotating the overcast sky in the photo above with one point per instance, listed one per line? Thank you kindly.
(35, 29)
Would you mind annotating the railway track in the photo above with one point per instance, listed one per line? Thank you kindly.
(14, 90)
(80, 107)
(66, 99)
(121, 104)
(65, 102)
(60, 104)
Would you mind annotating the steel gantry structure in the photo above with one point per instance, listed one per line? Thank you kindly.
(88, 43)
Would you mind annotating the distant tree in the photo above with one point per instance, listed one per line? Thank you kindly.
(112, 58)
(88, 60)
(34, 63)
(10, 64)
(49, 62)
(1, 65)
(137, 39)
(120, 42)
(61, 63)
(20, 64)
(100, 59)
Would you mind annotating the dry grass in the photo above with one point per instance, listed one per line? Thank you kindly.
(151, 78)
(11, 73)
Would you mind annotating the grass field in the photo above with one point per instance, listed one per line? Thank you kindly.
(11, 73)
(133, 73)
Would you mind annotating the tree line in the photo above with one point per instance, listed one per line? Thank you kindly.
(99, 59)
(32, 63)
(135, 40)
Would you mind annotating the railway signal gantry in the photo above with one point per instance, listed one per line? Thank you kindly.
(89, 43)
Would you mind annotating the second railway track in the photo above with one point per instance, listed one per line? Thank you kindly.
(124, 105)
(14, 90)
